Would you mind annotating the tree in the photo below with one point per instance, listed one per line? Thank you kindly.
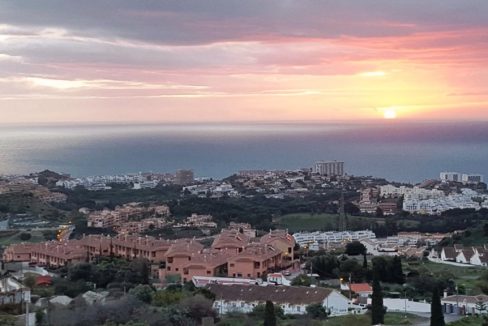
(377, 309)
(8, 320)
(142, 292)
(198, 307)
(397, 271)
(166, 297)
(436, 315)
(316, 311)
(302, 280)
(40, 317)
(24, 236)
(379, 212)
(269, 314)
(325, 265)
(30, 281)
(355, 248)
(365, 262)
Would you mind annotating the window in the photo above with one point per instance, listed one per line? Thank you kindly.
(232, 265)
(169, 268)
(176, 269)
(299, 308)
(209, 272)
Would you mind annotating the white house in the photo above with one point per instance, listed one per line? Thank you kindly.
(480, 257)
(466, 302)
(292, 299)
(12, 291)
(464, 256)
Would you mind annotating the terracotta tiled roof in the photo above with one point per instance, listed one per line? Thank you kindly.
(258, 251)
(276, 294)
(230, 239)
(188, 247)
(278, 235)
(361, 287)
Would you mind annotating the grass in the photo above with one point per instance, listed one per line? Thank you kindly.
(468, 321)
(392, 318)
(475, 237)
(321, 222)
(466, 276)
(12, 237)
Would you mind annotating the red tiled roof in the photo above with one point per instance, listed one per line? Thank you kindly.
(361, 287)
(44, 280)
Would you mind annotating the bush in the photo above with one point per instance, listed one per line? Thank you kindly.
(24, 236)
(142, 292)
(355, 248)
(316, 311)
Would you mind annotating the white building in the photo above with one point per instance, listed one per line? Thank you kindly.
(466, 303)
(472, 178)
(329, 168)
(450, 177)
(12, 291)
(292, 299)
(314, 238)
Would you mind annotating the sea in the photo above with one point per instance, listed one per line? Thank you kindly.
(398, 151)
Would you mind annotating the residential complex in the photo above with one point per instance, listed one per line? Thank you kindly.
(232, 254)
(477, 256)
(116, 218)
(184, 177)
(24, 185)
(434, 201)
(465, 178)
(329, 168)
(316, 240)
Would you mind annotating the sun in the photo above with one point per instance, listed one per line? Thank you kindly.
(389, 113)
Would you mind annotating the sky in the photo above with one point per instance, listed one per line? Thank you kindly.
(235, 60)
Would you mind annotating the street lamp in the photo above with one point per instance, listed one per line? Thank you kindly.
(405, 299)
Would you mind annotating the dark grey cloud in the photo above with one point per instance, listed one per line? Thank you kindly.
(199, 21)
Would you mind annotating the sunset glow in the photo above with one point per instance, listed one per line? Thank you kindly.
(390, 113)
(242, 61)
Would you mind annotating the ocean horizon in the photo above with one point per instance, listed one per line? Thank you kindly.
(398, 151)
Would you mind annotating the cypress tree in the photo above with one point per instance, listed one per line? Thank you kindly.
(269, 314)
(365, 261)
(397, 270)
(377, 309)
(436, 315)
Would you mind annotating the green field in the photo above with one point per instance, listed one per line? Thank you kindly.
(11, 237)
(392, 318)
(322, 222)
(468, 321)
(465, 276)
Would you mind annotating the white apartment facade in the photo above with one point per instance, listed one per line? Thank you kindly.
(329, 168)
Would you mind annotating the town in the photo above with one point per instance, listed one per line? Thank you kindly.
(322, 245)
